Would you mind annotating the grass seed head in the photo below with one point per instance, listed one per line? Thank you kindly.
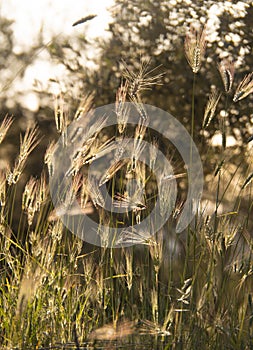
(2, 188)
(210, 109)
(227, 69)
(142, 79)
(4, 127)
(27, 145)
(121, 108)
(85, 106)
(195, 46)
(244, 88)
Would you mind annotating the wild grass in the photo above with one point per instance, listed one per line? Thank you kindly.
(171, 291)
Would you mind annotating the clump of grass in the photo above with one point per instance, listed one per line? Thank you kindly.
(187, 291)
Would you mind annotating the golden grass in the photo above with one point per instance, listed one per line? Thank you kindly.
(186, 290)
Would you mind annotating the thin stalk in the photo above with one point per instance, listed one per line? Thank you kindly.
(193, 108)
(190, 177)
(217, 202)
(223, 125)
(191, 148)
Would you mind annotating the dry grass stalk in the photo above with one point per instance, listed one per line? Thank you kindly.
(185, 291)
(244, 88)
(154, 303)
(56, 231)
(138, 145)
(4, 127)
(29, 284)
(2, 189)
(227, 69)
(129, 267)
(42, 191)
(48, 158)
(195, 46)
(84, 196)
(98, 150)
(91, 131)
(83, 139)
(153, 153)
(71, 192)
(121, 109)
(95, 193)
(156, 250)
(131, 202)
(166, 191)
(85, 106)
(141, 174)
(212, 103)
(74, 203)
(136, 100)
(27, 145)
(77, 163)
(143, 79)
(112, 170)
(105, 232)
(28, 199)
(134, 203)
(88, 268)
(134, 236)
(59, 114)
(121, 148)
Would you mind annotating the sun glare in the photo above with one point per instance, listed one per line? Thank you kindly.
(51, 18)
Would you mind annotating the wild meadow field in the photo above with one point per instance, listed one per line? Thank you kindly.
(169, 290)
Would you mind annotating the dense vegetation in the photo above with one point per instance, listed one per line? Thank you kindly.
(178, 291)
